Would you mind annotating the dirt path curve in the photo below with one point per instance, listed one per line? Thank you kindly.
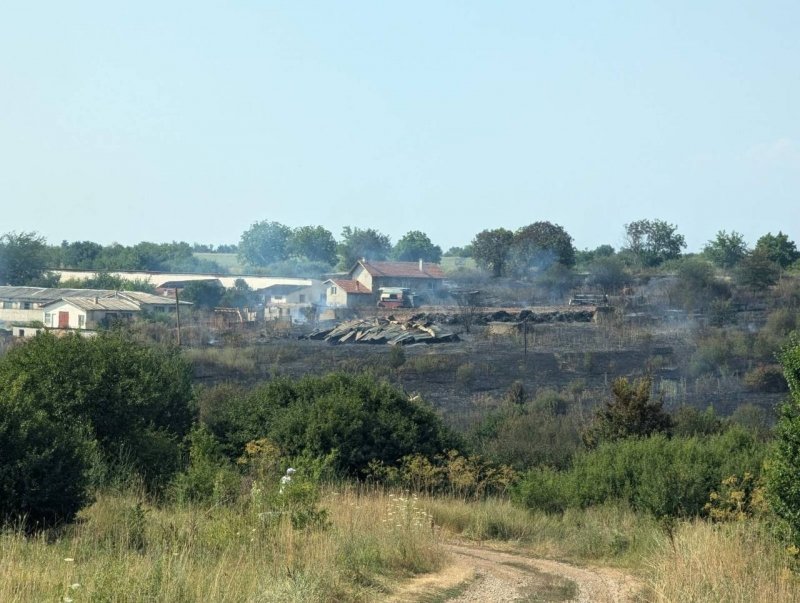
(477, 573)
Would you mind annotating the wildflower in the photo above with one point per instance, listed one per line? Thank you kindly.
(67, 599)
(75, 586)
(68, 559)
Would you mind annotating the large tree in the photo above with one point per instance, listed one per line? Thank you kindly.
(491, 249)
(364, 243)
(23, 258)
(778, 248)
(539, 245)
(264, 243)
(313, 243)
(726, 250)
(653, 242)
(416, 245)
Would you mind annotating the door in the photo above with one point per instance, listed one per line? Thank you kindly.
(63, 320)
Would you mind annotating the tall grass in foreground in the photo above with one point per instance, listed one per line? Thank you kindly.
(124, 550)
(729, 562)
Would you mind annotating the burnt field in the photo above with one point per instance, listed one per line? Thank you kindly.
(467, 378)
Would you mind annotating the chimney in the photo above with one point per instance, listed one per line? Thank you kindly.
(420, 265)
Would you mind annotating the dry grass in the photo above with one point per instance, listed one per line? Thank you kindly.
(729, 562)
(123, 550)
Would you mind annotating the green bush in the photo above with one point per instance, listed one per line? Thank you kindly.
(661, 476)
(360, 418)
(133, 399)
(210, 477)
(44, 465)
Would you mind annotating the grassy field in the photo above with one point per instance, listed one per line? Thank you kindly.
(125, 549)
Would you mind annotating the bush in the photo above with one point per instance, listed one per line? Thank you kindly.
(661, 476)
(766, 379)
(357, 417)
(44, 465)
(132, 399)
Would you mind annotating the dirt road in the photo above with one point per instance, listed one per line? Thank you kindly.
(480, 574)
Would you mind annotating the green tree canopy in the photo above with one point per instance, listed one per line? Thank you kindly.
(360, 243)
(314, 243)
(203, 294)
(609, 274)
(416, 245)
(539, 245)
(264, 243)
(491, 249)
(653, 242)
(23, 258)
(778, 248)
(726, 250)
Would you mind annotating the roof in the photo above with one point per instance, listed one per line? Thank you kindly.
(351, 287)
(101, 303)
(46, 295)
(273, 290)
(402, 269)
(149, 299)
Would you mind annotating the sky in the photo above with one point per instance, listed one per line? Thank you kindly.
(162, 121)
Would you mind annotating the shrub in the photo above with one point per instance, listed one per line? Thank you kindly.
(767, 379)
(358, 417)
(44, 465)
(783, 484)
(133, 399)
(661, 476)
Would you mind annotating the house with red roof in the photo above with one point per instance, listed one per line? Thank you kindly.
(361, 285)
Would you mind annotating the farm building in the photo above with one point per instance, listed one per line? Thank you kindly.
(364, 280)
(291, 302)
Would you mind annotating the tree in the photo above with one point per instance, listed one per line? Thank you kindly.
(360, 243)
(608, 273)
(133, 399)
(757, 271)
(778, 248)
(726, 250)
(783, 482)
(313, 243)
(653, 242)
(264, 243)
(203, 294)
(539, 245)
(238, 296)
(628, 413)
(460, 252)
(80, 254)
(416, 245)
(23, 258)
(491, 249)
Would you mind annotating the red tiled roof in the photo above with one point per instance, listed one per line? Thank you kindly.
(351, 286)
(403, 269)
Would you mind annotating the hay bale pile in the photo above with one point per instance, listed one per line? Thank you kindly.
(383, 331)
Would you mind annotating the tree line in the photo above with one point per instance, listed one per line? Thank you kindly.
(537, 251)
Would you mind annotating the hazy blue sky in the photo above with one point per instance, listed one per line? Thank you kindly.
(191, 120)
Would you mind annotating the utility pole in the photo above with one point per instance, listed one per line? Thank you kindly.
(178, 315)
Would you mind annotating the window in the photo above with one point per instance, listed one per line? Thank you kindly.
(26, 306)
(333, 290)
(81, 321)
(302, 298)
(48, 319)
(7, 305)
